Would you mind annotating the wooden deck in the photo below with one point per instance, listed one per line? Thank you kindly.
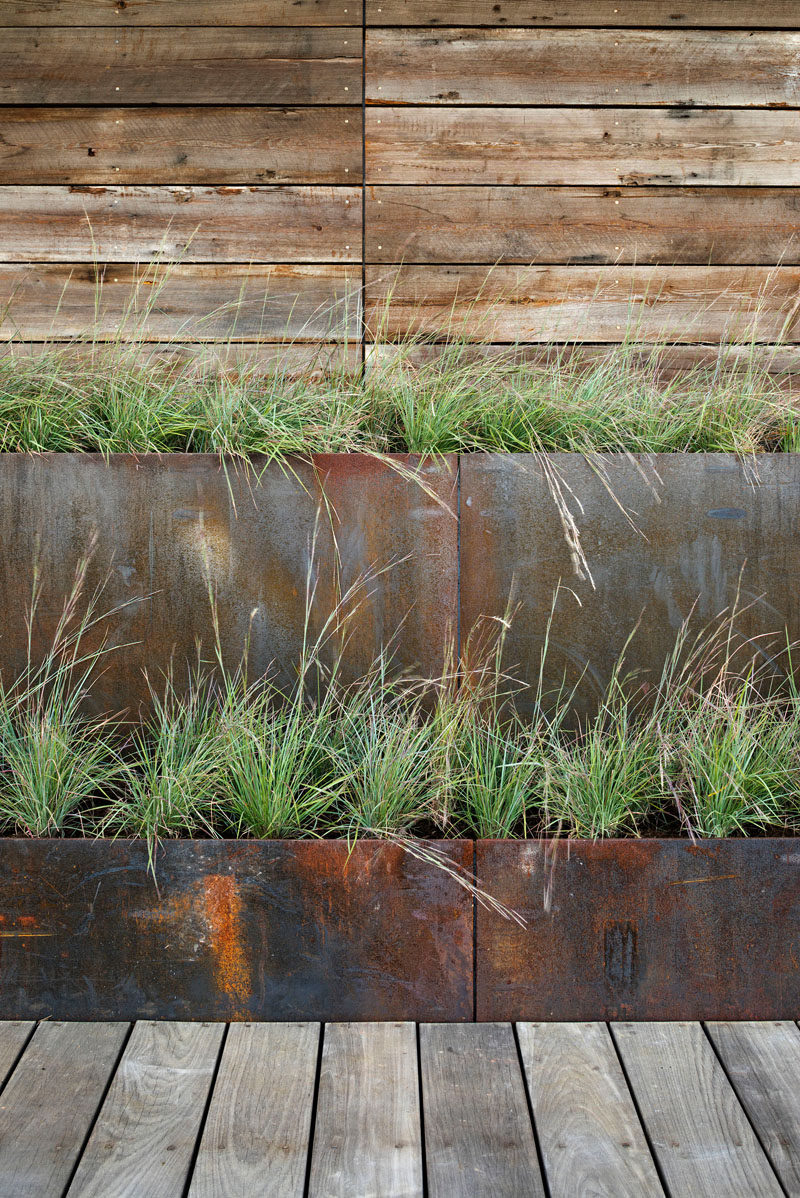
(162, 1110)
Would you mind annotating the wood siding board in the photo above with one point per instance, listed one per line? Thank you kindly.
(294, 360)
(170, 145)
(643, 225)
(175, 12)
(582, 66)
(636, 146)
(736, 14)
(195, 224)
(201, 303)
(683, 304)
(180, 66)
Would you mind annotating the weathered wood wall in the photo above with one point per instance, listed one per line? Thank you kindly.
(608, 163)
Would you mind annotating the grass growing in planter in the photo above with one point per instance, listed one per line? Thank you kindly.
(711, 749)
(112, 399)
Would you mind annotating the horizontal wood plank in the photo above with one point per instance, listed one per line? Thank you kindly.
(735, 14)
(560, 303)
(645, 225)
(145, 1135)
(180, 145)
(778, 360)
(295, 360)
(718, 147)
(198, 303)
(195, 224)
(176, 12)
(180, 66)
(49, 1104)
(582, 66)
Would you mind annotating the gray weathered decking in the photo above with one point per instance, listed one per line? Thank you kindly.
(162, 1110)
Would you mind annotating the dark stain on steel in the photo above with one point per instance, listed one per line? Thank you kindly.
(640, 929)
(621, 953)
(171, 528)
(233, 930)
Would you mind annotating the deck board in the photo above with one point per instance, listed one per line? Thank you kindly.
(145, 1135)
(261, 1110)
(367, 1138)
(591, 1138)
(762, 1061)
(255, 1142)
(699, 1132)
(48, 1106)
(478, 1134)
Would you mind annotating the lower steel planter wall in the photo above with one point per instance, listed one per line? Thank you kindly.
(656, 929)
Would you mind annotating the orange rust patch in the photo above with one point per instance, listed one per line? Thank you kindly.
(223, 910)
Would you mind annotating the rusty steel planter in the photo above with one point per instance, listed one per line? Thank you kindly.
(640, 929)
(267, 930)
(654, 929)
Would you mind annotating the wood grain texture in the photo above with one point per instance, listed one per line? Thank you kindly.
(14, 1034)
(367, 1136)
(638, 146)
(779, 360)
(762, 1061)
(256, 1137)
(180, 66)
(195, 224)
(684, 304)
(198, 303)
(580, 225)
(144, 1137)
(699, 1132)
(180, 145)
(577, 66)
(48, 1106)
(478, 1133)
(736, 14)
(591, 1139)
(119, 13)
(293, 360)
